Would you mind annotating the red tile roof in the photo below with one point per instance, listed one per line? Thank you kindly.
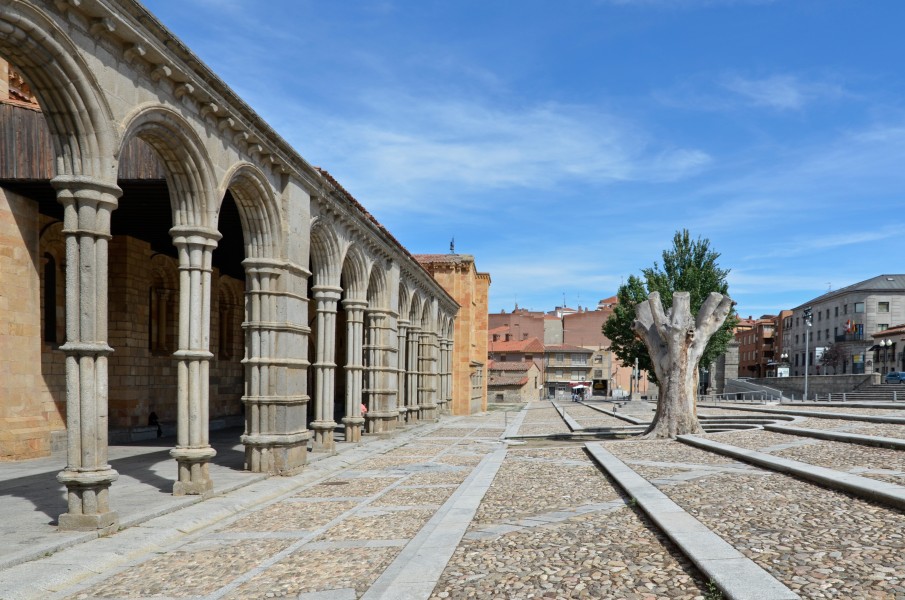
(503, 365)
(496, 380)
(529, 345)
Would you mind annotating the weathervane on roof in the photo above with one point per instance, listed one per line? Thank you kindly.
(452, 245)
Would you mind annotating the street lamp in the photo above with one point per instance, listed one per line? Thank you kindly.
(808, 315)
(885, 344)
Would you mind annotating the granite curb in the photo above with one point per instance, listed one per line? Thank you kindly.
(614, 413)
(737, 577)
(889, 494)
(838, 436)
(571, 423)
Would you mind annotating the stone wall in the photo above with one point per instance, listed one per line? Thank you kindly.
(818, 384)
(25, 402)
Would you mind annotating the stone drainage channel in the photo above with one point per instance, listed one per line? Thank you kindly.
(732, 572)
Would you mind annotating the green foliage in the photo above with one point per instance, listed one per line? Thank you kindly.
(689, 266)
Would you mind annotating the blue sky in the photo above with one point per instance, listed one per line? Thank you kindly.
(563, 143)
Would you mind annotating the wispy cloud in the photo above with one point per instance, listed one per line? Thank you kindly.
(781, 92)
(402, 145)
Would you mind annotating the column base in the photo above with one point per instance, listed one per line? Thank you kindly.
(194, 475)
(276, 454)
(353, 427)
(322, 440)
(88, 494)
(400, 418)
(381, 423)
(429, 413)
(413, 415)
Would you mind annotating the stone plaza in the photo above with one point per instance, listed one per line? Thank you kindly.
(531, 502)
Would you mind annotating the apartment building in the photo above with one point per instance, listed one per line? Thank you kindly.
(849, 316)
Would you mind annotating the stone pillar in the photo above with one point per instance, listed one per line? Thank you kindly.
(401, 369)
(87, 207)
(353, 420)
(382, 372)
(326, 298)
(427, 365)
(445, 378)
(413, 414)
(276, 362)
(193, 451)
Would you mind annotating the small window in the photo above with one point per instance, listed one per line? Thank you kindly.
(882, 326)
(882, 307)
(529, 357)
(598, 374)
(560, 357)
(819, 315)
(796, 338)
(818, 335)
(859, 307)
(837, 312)
(845, 309)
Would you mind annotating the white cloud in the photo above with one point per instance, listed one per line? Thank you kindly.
(402, 145)
(781, 92)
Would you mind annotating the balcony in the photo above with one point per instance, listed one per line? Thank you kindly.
(851, 337)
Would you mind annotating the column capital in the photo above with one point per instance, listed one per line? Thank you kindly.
(195, 235)
(327, 292)
(70, 188)
(355, 304)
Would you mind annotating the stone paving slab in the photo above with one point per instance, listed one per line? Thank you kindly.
(737, 577)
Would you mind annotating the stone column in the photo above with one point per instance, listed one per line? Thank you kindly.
(427, 365)
(276, 362)
(326, 298)
(382, 372)
(443, 400)
(193, 451)
(353, 420)
(87, 207)
(401, 369)
(413, 414)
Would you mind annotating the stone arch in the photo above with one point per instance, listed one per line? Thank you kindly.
(355, 273)
(416, 310)
(73, 102)
(229, 309)
(405, 298)
(378, 294)
(184, 158)
(325, 253)
(258, 210)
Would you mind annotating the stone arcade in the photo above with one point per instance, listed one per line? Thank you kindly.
(149, 223)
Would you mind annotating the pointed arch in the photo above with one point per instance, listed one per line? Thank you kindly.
(259, 210)
(355, 273)
(184, 158)
(325, 253)
(378, 294)
(416, 311)
(79, 119)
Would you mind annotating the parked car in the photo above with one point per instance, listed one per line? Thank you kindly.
(895, 377)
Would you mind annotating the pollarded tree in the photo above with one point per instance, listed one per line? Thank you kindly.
(689, 266)
(676, 342)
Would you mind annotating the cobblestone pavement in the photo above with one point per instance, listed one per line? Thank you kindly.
(876, 463)
(859, 427)
(820, 543)
(588, 417)
(550, 525)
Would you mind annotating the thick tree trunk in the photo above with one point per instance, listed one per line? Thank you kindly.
(676, 343)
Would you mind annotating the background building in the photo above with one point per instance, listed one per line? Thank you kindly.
(456, 273)
(849, 316)
(513, 382)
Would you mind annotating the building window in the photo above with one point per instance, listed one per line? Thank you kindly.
(845, 309)
(818, 335)
(882, 326)
(796, 338)
(882, 307)
(560, 357)
(559, 373)
(577, 376)
(579, 359)
(796, 321)
(859, 307)
(529, 357)
(836, 312)
(835, 331)
(598, 374)
(826, 335)
(819, 315)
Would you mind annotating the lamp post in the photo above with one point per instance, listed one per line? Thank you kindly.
(807, 326)
(885, 344)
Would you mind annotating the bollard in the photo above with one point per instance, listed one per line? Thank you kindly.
(843, 396)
